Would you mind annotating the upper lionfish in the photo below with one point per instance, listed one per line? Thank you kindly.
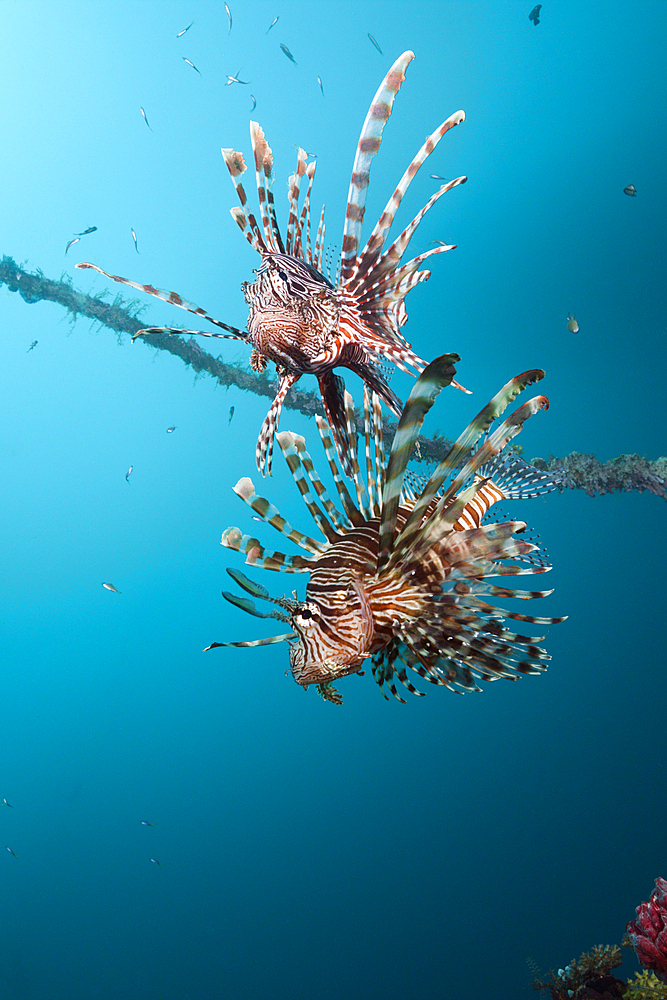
(298, 318)
(403, 574)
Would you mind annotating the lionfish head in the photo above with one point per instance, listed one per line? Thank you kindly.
(333, 641)
(284, 277)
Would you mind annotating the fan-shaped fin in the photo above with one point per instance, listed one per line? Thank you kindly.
(287, 442)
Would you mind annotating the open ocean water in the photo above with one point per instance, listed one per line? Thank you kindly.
(309, 851)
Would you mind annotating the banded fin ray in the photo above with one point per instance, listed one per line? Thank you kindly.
(349, 506)
(294, 185)
(435, 377)
(367, 147)
(288, 444)
(463, 446)
(264, 447)
(371, 252)
(172, 297)
(246, 491)
(254, 642)
(237, 166)
(256, 555)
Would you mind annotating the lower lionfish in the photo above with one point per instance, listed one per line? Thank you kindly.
(403, 574)
(298, 318)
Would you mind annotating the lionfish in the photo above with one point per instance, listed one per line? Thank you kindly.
(298, 318)
(403, 575)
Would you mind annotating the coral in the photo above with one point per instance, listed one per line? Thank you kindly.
(588, 977)
(648, 931)
(646, 986)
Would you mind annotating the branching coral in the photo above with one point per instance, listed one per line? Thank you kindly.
(646, 986)
(588, 977)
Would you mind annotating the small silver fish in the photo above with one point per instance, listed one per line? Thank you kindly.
(32, 346)
(170, 430)
(319, 80)
(110, 586)
(128, 474)
(145, 822)
(437, 177)
(145, 118)
(572, 324)
(375, 43)
(71, 243)
(254, 103)
(10, 851)
(235, 79)
(153, 860)
(229, 15)
(91, 229)
(288, 54)
(231, 414)
(6, 803)
(134, 237)
(185, 29)
(274, 21)
(631, 190)
(191, 64)
(260, 519)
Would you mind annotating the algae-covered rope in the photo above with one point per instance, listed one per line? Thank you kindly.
(578, 471)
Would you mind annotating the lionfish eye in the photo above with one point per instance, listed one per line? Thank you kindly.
(306, 613)
(281, 274)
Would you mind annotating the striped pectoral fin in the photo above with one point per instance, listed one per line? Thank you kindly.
(436, 376)
(462, 448)
(257, 555)
(293, 447)
(390, 282)
(367, 147)
(332, 390)
(305, 253)
(339, 520)
(373, 247)
(175, 330)
(516, 479)
(264, 449)
(495, 443)
(362, 496)
(246, 491)
(237, 167)
(351, 510)
(173, 297)
(254, 642)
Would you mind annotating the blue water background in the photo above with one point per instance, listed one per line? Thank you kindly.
(376, 850)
